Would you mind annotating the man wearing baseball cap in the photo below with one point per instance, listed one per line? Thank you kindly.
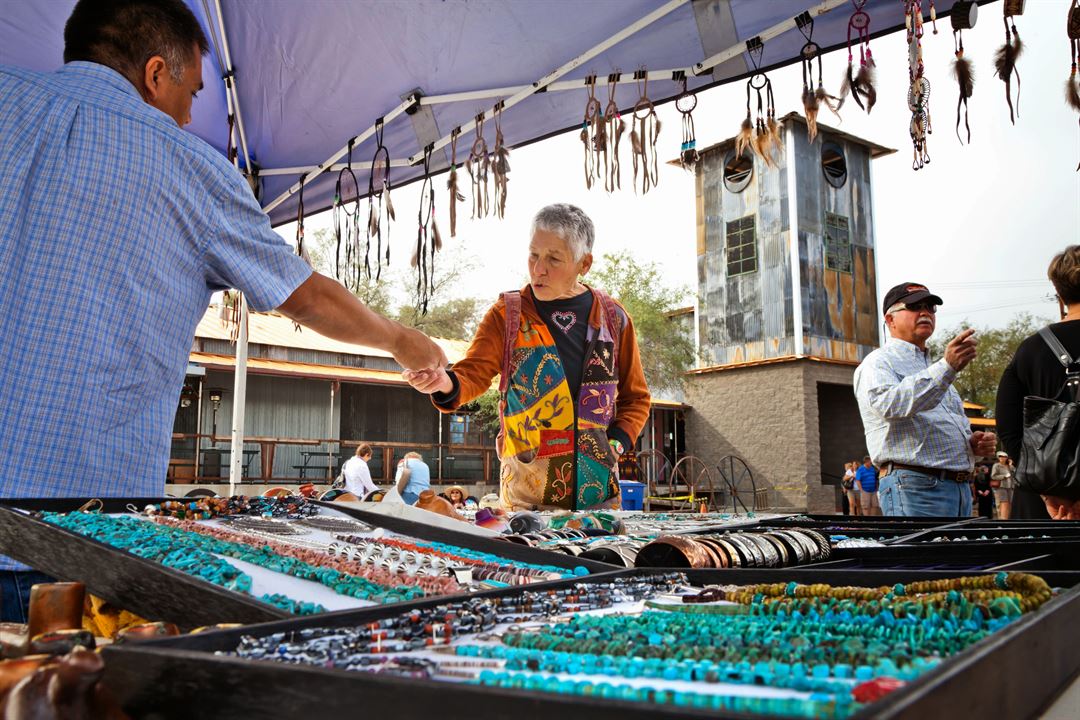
(916, 430)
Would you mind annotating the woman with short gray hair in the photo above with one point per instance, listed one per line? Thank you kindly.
(573, 391)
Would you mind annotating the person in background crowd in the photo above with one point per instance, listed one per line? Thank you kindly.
(1035, 371)
(413, 477)
(357, 474)
(982, 492)
(116, 228)
(914, 419)
(1001, 479)
(866, 482)
(848, 484)
(456, 495)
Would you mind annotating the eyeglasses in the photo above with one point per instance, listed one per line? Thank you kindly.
(917, 307)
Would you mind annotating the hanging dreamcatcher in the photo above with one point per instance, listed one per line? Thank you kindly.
(614, 127)
(452, 182)
(347, 224)
(685, 104)
(813, 98)
(478, 165)
(919, 86)
(378, 201)
(963, 16)
(428, 241)
(643, 135)
(761, 134)
(593, 134)
(1006, 56)
(500, 165)
(860, 85)
(1072, 85)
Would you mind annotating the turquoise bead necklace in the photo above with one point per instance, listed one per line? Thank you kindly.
(175, 548)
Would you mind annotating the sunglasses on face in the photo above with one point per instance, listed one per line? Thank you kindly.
(919, 307)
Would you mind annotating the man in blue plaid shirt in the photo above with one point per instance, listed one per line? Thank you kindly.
(116, 226)
(916, 430)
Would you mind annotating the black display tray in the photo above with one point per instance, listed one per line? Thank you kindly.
(1015, 673)
(157, 592)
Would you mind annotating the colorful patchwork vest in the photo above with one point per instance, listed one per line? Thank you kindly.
(553, 448)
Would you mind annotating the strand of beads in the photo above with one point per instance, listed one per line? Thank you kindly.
(289, 506)
(814, 707)
(317, 556)
(485, 565)
(143, 539)
(118, 531)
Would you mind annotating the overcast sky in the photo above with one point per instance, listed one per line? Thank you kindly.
(978, 225)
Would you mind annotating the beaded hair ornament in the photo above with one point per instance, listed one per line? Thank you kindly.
(500, 164)
(614, 127)
(963, 18)
(1072, 85)
(762, 133)
(478, 165)
(645, 130)
(812, 98)
(1006, 56)
(860, 85)
(685, 104)
(593, 135)
(428, 240)
(919, 86)
(378, 199)
(347, 224)
(452, 182)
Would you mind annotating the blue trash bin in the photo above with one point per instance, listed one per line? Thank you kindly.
(633, 495)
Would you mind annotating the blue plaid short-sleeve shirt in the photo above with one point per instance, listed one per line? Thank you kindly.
(115, 228)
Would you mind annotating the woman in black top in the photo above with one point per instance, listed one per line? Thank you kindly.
(1035, 371)
(984, 494)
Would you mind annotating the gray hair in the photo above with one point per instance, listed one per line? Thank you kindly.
(568, 222)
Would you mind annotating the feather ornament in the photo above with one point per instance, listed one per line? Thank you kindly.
(745, 138)
(1005, 68)
(965, 79)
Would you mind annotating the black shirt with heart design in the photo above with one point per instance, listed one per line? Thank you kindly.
(568, 321)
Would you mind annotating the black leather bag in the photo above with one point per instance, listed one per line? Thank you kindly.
(1050, 458)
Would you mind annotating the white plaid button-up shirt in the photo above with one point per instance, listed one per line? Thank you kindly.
(910, 411)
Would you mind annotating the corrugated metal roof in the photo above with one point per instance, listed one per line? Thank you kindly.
(982, 422)
(262, 366)
(274, 329)
(968, 405)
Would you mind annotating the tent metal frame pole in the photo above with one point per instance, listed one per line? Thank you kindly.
(230, 85)
(336, 167)
(779, 28)
(326, 164)
(551, 77)
(236, 453)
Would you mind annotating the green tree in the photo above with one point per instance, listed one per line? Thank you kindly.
(456, 319)
(322, 249)
(667, 349)
(978, 382)
(486, 410)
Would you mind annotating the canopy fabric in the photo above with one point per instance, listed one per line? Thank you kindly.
(311, 75)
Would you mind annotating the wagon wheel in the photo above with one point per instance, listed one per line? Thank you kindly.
(738, 479)
(693, 475)
(655, 470)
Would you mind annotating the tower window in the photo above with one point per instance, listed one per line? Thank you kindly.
(833, 164)
(741, 246)
(837, 243)
(738, 170)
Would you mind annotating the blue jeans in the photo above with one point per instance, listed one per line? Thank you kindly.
(409, 497)
(15, 593)
(915, 494)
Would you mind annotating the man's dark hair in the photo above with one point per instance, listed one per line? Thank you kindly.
(125, 34)
(866, 459)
